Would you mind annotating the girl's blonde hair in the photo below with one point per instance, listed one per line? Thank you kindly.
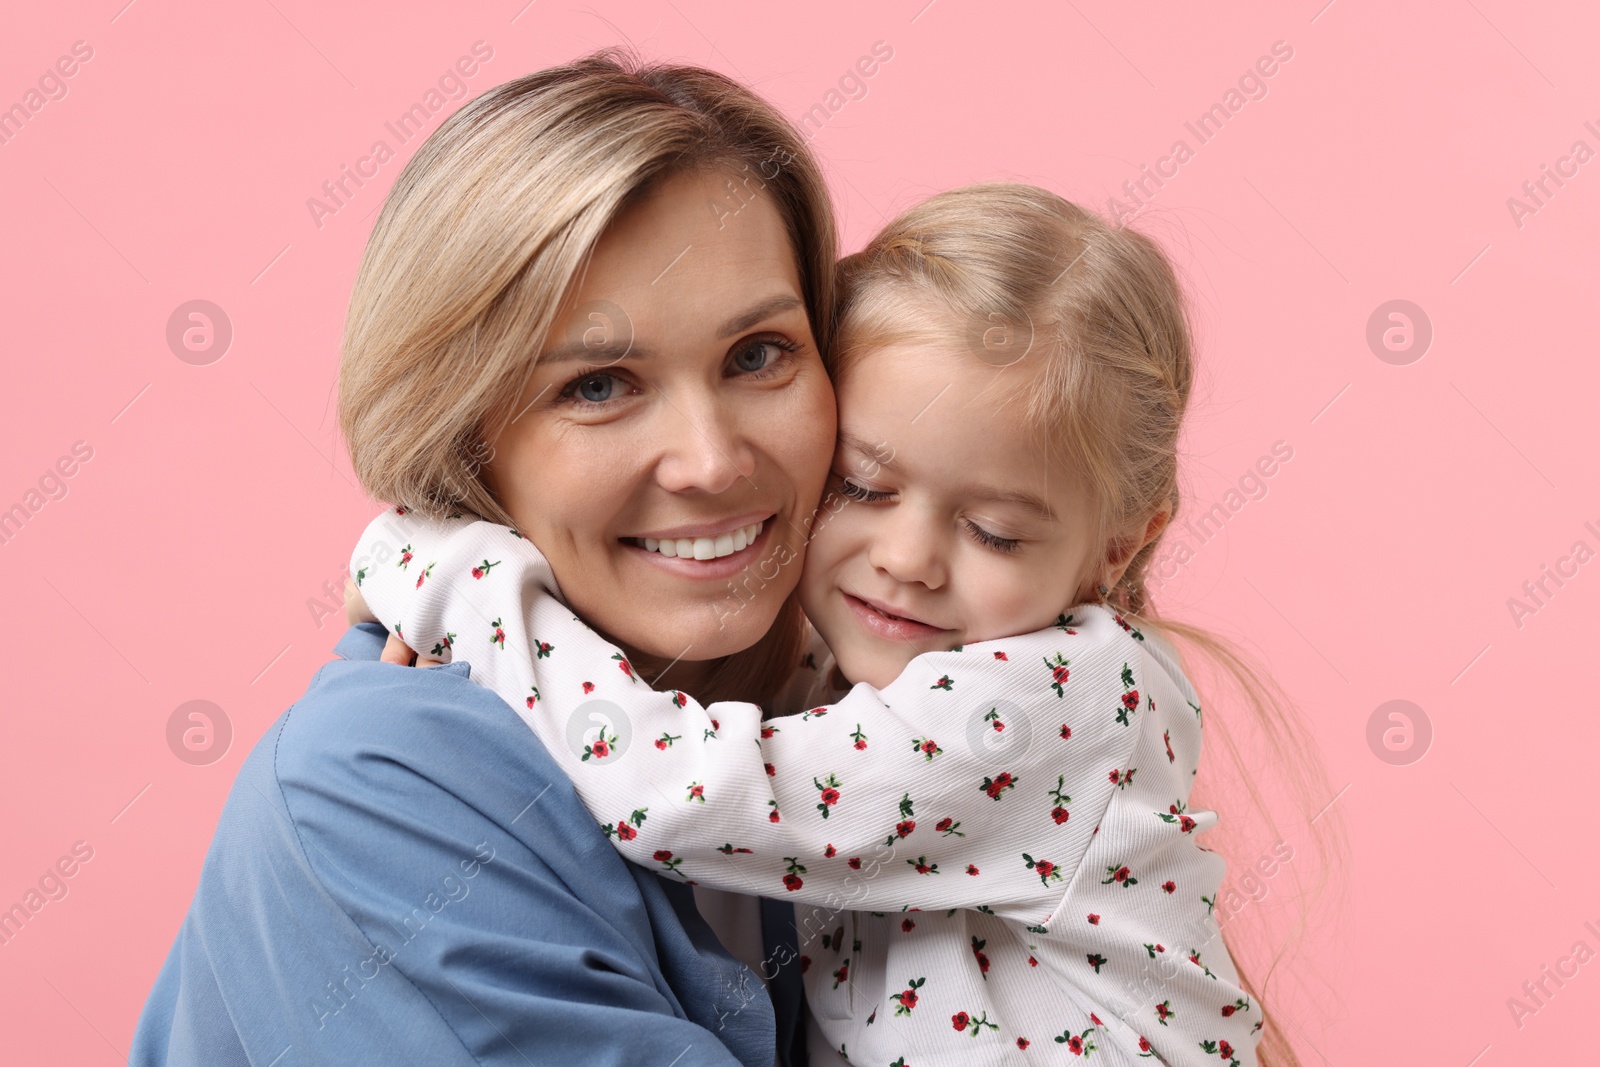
(1093, 322)
(483, 238)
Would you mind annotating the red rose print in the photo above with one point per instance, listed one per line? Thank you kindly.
(1170, 886)
(1032, 962)
(860, 745)
(772, 772)
(830, 852)
(1022, 1042)
(791, 882)
(600, 749)
(1059, 673)
(1224, 1049)
(971, 869)
(830, 796)
(906, 926)
(943, 824)
(1059, 815)
(1066, 732)
(854, 862)
(662, 855)
(1227, 1010)
(626, 832)
(805, 964)
(904, 829)
(1094, 920)
(907, 997)
(960, 1020)
(588, 687)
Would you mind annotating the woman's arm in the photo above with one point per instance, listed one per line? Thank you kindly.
(401, 875)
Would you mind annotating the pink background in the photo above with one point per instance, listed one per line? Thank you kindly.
(187, 556)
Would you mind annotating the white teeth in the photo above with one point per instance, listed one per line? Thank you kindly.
(705, 547)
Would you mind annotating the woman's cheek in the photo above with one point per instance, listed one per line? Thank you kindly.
(812, 420)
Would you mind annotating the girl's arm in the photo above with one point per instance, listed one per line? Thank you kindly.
(976, 779)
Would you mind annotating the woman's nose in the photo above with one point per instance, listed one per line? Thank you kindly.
(908, 546)
(706, 446)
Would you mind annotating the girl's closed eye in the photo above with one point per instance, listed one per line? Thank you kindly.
(994, 541)
(856, 491)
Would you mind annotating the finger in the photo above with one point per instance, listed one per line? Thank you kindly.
(397, 651)
(427, 661)
(355, 605)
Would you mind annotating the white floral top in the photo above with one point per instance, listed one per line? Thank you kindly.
(993, 855)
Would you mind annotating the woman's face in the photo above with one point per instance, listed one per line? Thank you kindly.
(684, 407)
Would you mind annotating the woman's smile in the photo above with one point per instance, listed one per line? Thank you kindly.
(714, 551)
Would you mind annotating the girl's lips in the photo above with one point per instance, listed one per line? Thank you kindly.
(890, 629)
(707, 569)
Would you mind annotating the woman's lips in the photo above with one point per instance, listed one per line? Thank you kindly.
(710, 569)
(890, 629)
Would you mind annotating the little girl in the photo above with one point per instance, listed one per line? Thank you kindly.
(990, 824)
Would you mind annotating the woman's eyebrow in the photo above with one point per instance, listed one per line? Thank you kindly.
(768, 307)
(619, 349)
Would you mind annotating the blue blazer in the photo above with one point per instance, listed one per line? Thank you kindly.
(401, 874)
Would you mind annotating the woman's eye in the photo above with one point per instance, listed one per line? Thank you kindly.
(592, 389)
(763, 356)
(861, 492)
(984, 537)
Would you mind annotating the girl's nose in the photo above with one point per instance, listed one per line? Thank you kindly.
(908, 546)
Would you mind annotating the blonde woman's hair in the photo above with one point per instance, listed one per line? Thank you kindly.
(1093, 323)
(483, 238)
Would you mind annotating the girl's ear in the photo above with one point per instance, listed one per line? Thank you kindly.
(1123, 550)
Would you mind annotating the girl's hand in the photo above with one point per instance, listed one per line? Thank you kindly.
(397, 651)
(394, 650)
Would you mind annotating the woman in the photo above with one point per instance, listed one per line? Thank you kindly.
(593, 307)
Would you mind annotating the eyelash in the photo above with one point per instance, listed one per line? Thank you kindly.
(1003, 544)
(864, 495)
(569, 391)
